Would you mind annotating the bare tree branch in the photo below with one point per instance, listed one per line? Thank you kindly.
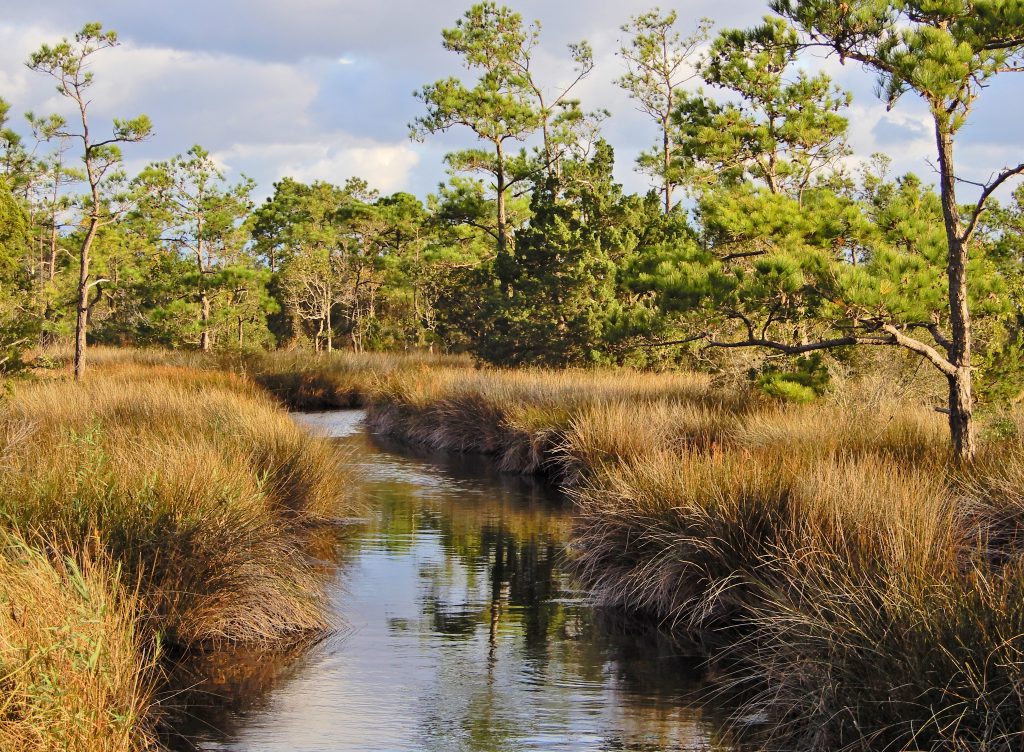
(895, 338)
(986, 193)
(929, 352)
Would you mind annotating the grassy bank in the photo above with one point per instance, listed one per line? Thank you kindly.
(865, 591)
(153, 510)
(332, 381)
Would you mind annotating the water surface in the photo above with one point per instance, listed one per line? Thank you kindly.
(462, 632)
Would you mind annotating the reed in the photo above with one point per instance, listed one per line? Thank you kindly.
(196, 489)
(864, 590)
(75, 672)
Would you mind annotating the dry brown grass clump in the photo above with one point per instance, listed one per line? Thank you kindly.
(75, 673)
(689, 537)
(194, 487)
(867, 591)
(525, 419)
(327, 381)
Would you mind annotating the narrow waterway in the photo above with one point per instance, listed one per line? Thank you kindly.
(460, 631)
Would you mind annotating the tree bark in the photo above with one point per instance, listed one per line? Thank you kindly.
(961, 399)
(503, 240)
(295, 326)
(51, 270)
(502, 209)
(667, 163)
(330, 328)
(82, 320)
(204, 320)
(548, 154)
(51, 267)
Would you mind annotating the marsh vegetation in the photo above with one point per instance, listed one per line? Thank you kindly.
(149, 512)
(861, 588)
(781, 388)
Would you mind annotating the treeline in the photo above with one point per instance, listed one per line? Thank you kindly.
(761, 231)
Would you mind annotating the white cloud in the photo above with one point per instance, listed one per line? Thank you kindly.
(325, 91)
(202, 97)
(903, 133)
(255, 117)
(385, 167)
(17, 82)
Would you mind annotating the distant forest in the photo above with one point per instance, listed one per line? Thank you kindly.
(760, 230)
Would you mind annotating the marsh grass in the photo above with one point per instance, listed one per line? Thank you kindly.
(75, 673)
(523, 419)
(865, 590)
(196, 489)
(326, 381)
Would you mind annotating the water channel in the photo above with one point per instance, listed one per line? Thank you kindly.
(460, 631)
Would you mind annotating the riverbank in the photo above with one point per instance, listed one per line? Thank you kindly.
(865, 590)
(467, 631)
(152, 511)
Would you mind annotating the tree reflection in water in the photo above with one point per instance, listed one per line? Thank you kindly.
(468, 634)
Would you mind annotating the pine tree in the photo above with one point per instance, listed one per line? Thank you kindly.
(946, 53)
(564, 273)
(68, 63)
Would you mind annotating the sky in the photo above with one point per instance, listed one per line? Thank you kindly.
(323, 89)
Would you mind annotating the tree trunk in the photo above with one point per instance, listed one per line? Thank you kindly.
(961, 415)
(81, 325)
(357, 327)
(51, 268)
(240, 332)
(204, 320)
(552, 170)
(82, 321)
(961, 399)
(666, 164)
(330, 330)
(295, 326)
(503, 260)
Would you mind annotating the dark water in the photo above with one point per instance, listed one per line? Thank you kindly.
(462, 632)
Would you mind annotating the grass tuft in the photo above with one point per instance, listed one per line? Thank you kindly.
(194, 489)
(865, 591)
(75, 673)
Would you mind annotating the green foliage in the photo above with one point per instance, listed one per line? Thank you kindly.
(566, 298)
(301, 230)
(945, 51)
(190, 211)
(657, 61)
(782, 128)
(499, 107)
(1001, 371)
(793, 255)
(14, 235)
(15, 328)
(351, 264)
(804, 382)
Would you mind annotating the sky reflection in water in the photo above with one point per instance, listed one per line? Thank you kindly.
(463, 633)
